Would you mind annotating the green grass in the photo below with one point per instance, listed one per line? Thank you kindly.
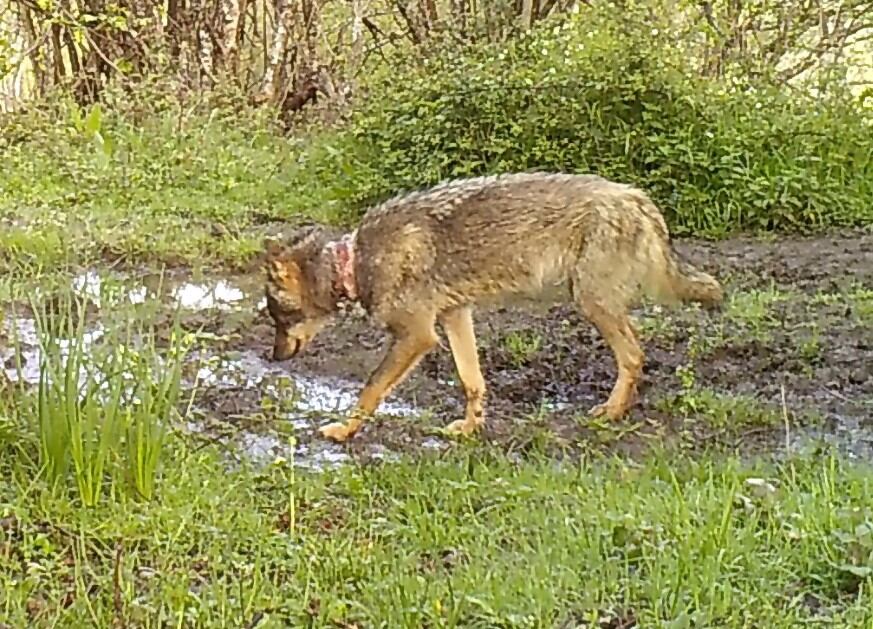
(754, 311)
(469, 538)
(473, 540)
(205, 182)
(104, 399)
(858, 298)
(522, 345)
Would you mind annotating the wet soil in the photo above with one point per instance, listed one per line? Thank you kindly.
(794, 347)
(789, 359)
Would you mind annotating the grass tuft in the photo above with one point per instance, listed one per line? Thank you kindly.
(105, 399)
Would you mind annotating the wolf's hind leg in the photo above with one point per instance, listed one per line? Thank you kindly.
(609, 315)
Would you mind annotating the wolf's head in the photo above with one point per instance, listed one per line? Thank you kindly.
(296, 305)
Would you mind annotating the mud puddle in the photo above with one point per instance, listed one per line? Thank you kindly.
(20, 356)
(240, 389)
(793, 345)
(171, 289)
(231, 387)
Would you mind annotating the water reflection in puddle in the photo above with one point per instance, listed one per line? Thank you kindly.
(850, 436)
(191, 295)
(220, 295)
(267, 448)
(247, 369)
(20, 356)
(314, 399)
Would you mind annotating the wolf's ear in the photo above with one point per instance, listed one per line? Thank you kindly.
(285, 275)
(273, 250)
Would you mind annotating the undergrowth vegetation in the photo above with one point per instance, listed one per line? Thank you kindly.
(610, 93)
(103, 401)
(180, 185)
(596, 92)
(471, 540)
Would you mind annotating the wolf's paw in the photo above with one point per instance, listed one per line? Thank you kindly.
(337, 431)
(462, 427)
(611, 411)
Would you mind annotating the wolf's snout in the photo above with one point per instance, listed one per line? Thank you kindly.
(285, 348)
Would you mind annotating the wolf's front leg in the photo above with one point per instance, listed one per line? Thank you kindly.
(458, 325)
(411, 342)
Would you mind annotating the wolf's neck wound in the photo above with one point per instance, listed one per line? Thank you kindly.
(342, 253)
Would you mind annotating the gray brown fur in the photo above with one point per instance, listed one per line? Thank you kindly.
(429, 256)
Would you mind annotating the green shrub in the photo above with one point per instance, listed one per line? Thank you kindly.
(595, 94)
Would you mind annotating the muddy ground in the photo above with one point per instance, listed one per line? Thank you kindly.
(795, 344)
(789, 360)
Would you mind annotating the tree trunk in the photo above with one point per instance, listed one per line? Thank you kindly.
(72, 53)
(526, 15)
(278, 48)
(174, 29)
(60, 68)
(33, 45)
(233, 15)
(428, 11)
(357, 51)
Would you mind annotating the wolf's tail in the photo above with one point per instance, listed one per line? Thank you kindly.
(688, 283)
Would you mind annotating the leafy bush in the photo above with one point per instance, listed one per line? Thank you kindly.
(616, 97)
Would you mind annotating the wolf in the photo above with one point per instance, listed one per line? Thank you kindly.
(430, 256)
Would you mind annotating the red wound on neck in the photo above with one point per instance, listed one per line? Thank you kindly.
(344, 267)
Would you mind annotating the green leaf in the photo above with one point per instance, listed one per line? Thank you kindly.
(93, 120)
